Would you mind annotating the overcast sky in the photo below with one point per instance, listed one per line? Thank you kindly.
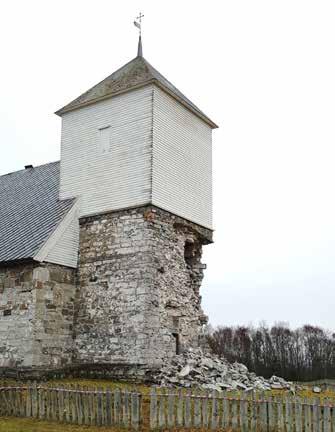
(263, 70)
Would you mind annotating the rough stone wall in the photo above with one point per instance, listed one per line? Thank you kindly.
(16, 315)
(36, 315)
(138, 295)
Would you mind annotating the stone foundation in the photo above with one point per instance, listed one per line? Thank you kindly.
(36, 315)
(139, 276)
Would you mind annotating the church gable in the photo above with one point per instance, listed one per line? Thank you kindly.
(62, 246)
(30, 212)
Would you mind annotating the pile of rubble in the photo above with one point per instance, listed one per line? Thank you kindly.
(196, 369)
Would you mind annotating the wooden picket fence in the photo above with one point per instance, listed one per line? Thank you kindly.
(240, 412)
(253, 413)
(81, 406)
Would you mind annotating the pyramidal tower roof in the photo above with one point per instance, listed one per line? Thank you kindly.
(134, 74)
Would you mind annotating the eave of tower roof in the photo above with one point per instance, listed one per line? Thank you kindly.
(136, 73)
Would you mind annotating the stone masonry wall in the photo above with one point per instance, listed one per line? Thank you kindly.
(139, 277)
(16, 315)
(36, 315)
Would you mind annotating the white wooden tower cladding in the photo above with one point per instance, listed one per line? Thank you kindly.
(134, 139)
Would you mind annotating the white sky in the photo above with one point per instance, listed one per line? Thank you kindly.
(263, 70)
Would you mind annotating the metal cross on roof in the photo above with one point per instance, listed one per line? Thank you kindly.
(138, 22)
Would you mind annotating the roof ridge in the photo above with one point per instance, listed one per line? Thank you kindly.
(34, 167)
(137, 73)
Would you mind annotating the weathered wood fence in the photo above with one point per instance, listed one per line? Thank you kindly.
(81, 406)
(240, 412)
(168, 410)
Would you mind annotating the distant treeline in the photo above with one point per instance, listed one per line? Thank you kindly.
(304, 354)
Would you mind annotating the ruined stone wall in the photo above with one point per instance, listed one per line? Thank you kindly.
(36, 315)
(138, 295)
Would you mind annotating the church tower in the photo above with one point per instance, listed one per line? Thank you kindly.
(137, 156)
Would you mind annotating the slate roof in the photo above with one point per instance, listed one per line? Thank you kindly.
(29, 210)
(138, 72)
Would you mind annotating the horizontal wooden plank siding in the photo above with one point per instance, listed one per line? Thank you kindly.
(115, 173)
(182, 161)
(64, 251)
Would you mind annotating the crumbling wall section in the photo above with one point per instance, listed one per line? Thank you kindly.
(177, 250)
(139, 278)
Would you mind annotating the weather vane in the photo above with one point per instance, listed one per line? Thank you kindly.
(138, 22)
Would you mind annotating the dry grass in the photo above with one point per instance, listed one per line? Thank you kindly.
(31, 425)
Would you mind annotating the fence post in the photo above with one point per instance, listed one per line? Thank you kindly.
(188, 420)
(22, 401)
(244, 405)
(197, 409)
(108, 408)
(298, 414)
(161, 409)
(153, 408)
(306, 414)
(326, 416)
(16, 405)
(171, 410)
(125, 410)
(288, 414)
(135, 410)
(234, 414)
(263, 413)
(98, 407)
(67, 405)
(215, 417)
(271, 414)
(253, 411)
(50, 403)
(280, 415)
(91, 405)
(180, 409)
(2, 400)
(86, 406)
(28, 401)
(316, 413)
(117, 407)
(205, 409)
(59, 405)
(8, 401)
(41, 405)
(74, 405)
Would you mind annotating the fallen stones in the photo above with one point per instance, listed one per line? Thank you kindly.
(194, 368)
(316, 389)
(185, 371)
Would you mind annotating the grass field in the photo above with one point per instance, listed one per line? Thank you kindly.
(31, 425)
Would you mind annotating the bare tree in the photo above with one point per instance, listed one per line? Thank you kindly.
(304, 354)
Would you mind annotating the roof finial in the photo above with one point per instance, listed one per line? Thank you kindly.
(138, 24)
